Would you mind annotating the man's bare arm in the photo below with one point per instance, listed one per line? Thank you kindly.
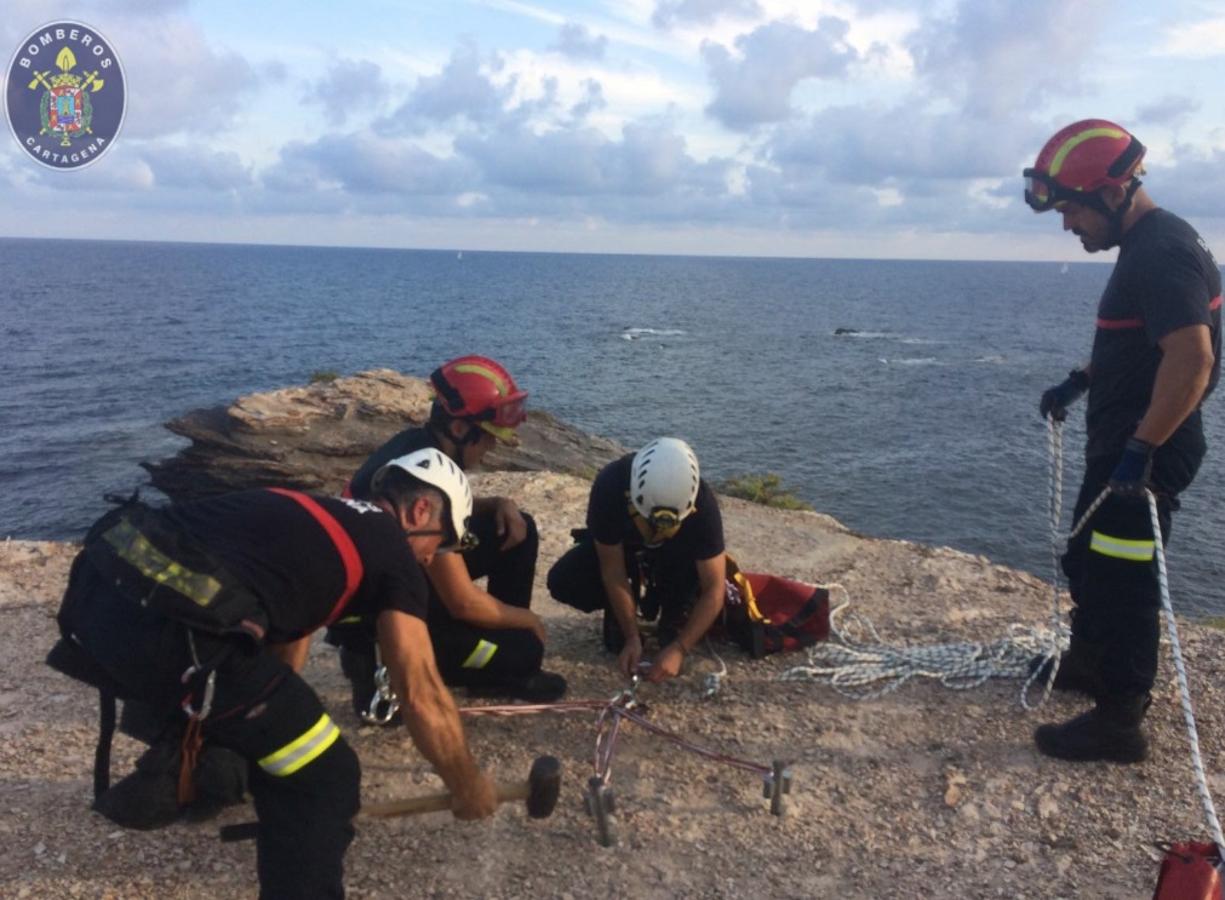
(429, 713)
(293, 653)
(468, 603)
(1182, 378)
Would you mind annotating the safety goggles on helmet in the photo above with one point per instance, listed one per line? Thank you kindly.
(1042, 192)
(480, 391)
(662, 524)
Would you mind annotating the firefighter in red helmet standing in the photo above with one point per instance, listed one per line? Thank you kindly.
(487, 640)
(1155, 358)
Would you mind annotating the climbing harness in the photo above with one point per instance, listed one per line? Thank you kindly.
(627, 706)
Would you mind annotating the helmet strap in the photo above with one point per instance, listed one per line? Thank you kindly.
(1116, 216)
(427, 532)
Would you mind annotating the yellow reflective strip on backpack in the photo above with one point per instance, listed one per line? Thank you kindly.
(135, 549)
(303, 749)
(1121, 548)
(745, 587)
(479, 657)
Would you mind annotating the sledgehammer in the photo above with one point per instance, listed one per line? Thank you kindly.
(540, 792)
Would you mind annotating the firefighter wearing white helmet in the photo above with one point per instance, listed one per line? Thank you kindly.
(663, 486)
(439, 471)
(653, 547)
(169, 608)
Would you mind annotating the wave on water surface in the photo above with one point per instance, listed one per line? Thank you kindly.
(914, 361)
(633, 334)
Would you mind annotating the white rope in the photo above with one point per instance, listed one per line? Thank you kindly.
(1184, 690)
(851, 663)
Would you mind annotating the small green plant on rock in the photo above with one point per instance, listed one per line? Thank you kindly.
(765, 488)
(324, 376)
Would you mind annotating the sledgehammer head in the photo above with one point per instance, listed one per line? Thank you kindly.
(543, 787)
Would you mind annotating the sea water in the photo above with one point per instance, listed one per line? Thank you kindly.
(919, 421)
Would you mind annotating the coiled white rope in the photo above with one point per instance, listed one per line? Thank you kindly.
(857, 658)
(851, 663)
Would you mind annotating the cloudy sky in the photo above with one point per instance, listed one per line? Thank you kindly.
(863, 128)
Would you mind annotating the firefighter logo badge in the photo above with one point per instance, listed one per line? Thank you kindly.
(65, 95)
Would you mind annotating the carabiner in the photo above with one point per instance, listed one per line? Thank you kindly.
(384, 704)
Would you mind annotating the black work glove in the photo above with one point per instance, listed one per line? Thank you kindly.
(1130, 476)
(1056, 400)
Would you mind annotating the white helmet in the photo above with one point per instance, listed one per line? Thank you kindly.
(438, 470)
(664, 480)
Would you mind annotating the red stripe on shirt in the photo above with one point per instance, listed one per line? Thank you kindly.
(1116, 324)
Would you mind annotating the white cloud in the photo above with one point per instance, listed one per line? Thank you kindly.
(755, 87)
(702, 12)
(465, 88)
(349, 86)
(576, 41)
(1170, 109)
(1197, 40)
(1008, 57)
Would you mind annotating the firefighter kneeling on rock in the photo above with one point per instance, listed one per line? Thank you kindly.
(204, 610)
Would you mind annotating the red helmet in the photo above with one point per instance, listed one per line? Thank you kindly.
(478, 389)
(1080, 159)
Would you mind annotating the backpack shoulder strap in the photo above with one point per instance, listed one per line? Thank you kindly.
(340, 538)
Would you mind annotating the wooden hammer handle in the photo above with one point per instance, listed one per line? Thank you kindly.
(410, 806)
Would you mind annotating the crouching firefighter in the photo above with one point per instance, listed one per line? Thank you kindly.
(487, 640)
(203, 611)
(652, 523)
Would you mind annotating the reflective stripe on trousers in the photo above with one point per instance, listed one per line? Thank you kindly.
(481, 655)
(303, 749)
(1122, 548)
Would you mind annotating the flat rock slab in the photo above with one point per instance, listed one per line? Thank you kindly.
(315, 437)
(924, 792)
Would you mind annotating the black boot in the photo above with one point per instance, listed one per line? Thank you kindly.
(147, 798)
(1110, 731)
(540, 687)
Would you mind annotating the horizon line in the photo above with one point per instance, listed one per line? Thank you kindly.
(464, 249)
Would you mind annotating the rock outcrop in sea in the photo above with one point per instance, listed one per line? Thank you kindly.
(314, 438)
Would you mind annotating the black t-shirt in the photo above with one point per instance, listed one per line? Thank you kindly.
(281, 553)
(402, 444)
(1165, 279)
(609, 519)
